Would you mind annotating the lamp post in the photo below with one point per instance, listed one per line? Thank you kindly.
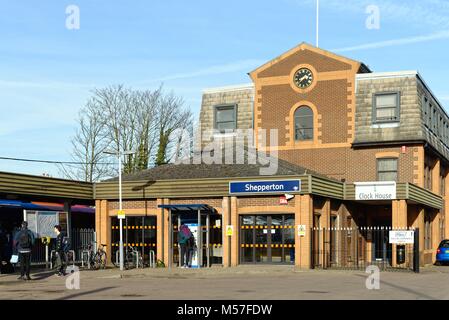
(119, 155)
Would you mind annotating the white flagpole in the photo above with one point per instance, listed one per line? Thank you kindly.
(317, 22)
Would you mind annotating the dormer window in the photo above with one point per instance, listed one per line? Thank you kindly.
(225, 118)
(386, 107)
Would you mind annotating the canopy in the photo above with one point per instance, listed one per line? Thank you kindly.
(186, 207)
(43, 206)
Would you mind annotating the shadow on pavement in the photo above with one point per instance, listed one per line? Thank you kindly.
(80, 294)
(418, 294)
(43, 275)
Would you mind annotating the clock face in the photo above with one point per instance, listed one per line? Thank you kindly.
(303, 78)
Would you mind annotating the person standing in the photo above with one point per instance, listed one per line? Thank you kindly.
(24, 242)
(184, 237)
(60, 251)
(3, 245)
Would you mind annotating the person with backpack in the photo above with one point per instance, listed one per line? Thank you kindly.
(61, 248)
(184, 240)
(24, 242)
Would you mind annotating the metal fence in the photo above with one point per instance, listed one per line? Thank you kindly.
(80, 239)
(358, 248)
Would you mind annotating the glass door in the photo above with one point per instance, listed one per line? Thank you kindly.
(267, 239)
(261, 239)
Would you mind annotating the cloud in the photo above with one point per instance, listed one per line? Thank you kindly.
(396, 42)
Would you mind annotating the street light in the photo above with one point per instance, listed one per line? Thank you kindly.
(119, 154)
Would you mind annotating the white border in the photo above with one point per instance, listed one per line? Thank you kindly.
(259, 193)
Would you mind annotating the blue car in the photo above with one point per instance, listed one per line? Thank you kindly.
(443, 252)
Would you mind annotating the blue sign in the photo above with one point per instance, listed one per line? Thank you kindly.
(282, 186)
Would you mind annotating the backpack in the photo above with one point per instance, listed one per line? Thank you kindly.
(66, 244)
(24, 240)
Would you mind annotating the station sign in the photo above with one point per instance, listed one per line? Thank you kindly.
(372, 191)
(264, 187)
(402, 237)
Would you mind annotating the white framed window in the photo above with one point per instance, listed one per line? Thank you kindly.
(225, 118)
(386, 107)
(303, 123)
(387, 169)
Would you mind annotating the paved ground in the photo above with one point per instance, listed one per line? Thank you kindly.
(245, 282)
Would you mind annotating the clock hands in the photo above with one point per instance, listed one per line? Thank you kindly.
(303, 78)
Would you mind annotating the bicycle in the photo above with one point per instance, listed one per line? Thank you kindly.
(129, 260)
(96, 259)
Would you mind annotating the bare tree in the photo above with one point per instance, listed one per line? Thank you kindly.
(118, 118)
(147, 102)
(89, 144)
(172, 115)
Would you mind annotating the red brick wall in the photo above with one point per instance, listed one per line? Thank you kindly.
(261, 201)
(354, 165)
(151, 204)
(320, 62)
(331, 98)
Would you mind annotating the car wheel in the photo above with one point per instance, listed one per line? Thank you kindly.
(438, 263)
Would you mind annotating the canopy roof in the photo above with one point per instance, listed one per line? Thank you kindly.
(186, 207)
(43, 206)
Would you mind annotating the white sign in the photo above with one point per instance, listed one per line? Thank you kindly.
(301, 230)
(402, 237)
(194, 255)
(371, 191)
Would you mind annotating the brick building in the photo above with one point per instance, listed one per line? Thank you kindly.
(343, 131)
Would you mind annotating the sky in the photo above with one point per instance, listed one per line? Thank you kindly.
(48, 71)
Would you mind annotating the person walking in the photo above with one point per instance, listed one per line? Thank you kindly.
(24, 241)
(184, 241)
(60, 248)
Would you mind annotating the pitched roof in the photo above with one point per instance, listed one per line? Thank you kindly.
(304, 45)
(204, 171)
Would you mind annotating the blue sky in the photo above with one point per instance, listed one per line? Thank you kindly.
(47, 71)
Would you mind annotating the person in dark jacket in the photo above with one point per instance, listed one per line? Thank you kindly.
(24, 241)
(3, 247)
(184, 241)
(60, 251)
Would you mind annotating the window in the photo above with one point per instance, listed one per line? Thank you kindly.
(386, 107)
(427, 173)
(387, 169)
(427, 231)
(442, 235)
(442, 183)
(425, 106)
(303, 124)
(434, 120)
(226, 118)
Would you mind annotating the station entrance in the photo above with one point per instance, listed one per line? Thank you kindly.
(206, 226)
(139, 234)
(267, 239)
